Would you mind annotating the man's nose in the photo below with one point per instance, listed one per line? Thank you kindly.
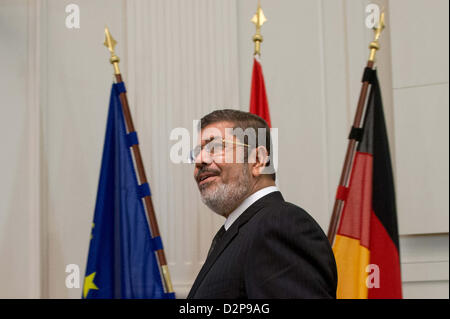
(203, 158)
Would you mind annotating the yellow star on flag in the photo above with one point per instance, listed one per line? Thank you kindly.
(89, 284)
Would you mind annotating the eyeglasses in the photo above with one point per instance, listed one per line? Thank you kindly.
(214, 148)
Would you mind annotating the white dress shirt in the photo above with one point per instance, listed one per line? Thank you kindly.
(247, 203)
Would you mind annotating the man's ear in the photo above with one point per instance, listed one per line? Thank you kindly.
(258, 158)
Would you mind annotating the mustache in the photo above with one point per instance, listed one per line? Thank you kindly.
(206, 170)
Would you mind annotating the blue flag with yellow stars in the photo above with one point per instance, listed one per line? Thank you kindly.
(121, 261)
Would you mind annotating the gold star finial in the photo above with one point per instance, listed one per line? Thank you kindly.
(258, 19)
(110, 43)
(375, 45)
(89, 284)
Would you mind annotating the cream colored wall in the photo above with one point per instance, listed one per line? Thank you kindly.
(19, 155)
(419, 46)
(420, 86)
(181, 59)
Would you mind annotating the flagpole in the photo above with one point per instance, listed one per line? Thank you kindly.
(164, 269)
(351, 147)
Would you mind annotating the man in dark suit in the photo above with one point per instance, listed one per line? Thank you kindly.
(267, 248)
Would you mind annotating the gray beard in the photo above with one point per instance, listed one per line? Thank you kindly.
(224, 198)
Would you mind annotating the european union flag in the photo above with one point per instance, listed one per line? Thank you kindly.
(121, 261)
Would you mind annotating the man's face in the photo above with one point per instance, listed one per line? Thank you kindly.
(223, 183)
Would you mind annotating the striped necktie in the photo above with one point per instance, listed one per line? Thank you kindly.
(216, 239)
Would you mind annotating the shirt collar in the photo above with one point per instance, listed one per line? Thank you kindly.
(247, 203)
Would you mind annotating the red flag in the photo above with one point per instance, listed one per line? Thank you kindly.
(258, 97)
(366, 246)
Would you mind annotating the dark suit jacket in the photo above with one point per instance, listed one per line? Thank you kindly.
(273, 250)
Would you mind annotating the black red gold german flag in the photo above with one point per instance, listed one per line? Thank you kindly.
(366, 245)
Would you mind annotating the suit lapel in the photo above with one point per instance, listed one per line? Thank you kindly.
(230, 234)
(220, 246)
